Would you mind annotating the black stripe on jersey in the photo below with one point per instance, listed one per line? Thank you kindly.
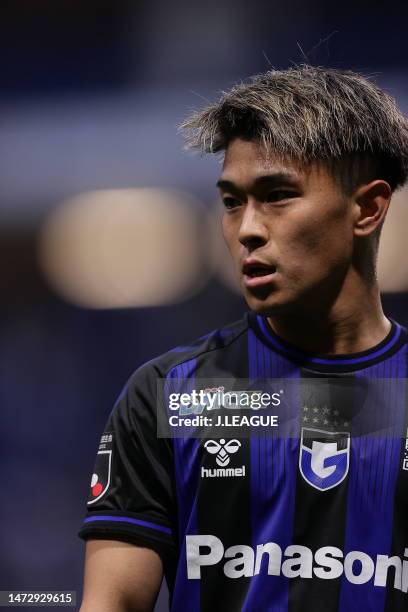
(328, 527)
(224, 503)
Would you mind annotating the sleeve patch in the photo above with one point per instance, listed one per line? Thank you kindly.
(101, 477)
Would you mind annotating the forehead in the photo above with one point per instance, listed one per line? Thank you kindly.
(245, 160)
(244, 157)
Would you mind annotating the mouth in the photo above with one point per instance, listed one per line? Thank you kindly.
(256, 274)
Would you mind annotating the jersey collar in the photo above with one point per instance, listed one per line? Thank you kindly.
(343, 362)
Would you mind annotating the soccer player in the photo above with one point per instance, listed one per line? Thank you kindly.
(312, 521)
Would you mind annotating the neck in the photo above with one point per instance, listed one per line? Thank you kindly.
(345, 327)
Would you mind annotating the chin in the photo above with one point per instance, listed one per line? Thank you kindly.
(270, 305)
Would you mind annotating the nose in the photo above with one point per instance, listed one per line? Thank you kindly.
(253, 232)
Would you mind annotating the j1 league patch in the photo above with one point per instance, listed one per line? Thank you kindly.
(101, 476)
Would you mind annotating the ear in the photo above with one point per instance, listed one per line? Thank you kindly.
(371, 203)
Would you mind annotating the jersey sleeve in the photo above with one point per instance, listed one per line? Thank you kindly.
(131, 496)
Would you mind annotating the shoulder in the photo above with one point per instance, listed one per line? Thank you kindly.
(216, 341)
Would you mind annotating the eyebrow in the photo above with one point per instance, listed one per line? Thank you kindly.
(277, 178)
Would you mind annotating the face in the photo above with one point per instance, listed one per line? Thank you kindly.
(289, 230)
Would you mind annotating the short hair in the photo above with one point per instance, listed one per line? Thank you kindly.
(311, 114)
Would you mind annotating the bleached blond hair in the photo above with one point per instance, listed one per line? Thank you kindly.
(311, 114)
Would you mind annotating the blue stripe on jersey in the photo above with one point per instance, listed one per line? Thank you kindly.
(128, 519)
(273, 484)
(294, 353)
(372, 480)
(186, 466)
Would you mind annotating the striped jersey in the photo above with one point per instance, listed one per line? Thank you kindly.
(312, 521)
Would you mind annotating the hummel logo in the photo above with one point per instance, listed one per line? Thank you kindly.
(222, 449)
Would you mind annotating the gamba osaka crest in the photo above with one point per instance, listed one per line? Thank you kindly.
(101, 476)
(324, 457)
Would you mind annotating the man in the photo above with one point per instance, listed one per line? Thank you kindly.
(312, 520)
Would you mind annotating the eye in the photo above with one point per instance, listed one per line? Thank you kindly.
(279, 194)
(230, 202)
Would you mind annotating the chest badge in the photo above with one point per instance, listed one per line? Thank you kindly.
(324, 457)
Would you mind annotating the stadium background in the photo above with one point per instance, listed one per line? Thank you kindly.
(109, 252)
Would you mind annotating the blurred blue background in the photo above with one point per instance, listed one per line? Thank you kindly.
(91, 95)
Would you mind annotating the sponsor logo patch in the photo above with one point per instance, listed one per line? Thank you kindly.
(222, 450)
(295, 561)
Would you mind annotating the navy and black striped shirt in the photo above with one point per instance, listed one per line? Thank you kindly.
(281, 536)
